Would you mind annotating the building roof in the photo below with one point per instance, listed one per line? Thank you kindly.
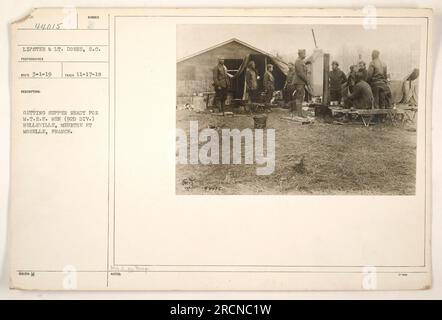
(237, 41)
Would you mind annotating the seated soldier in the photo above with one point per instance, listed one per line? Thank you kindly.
(362, 96)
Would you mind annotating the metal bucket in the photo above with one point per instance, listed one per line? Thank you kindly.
(260, 121)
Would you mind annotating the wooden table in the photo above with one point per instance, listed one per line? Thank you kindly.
(410, 114)
(367, 115)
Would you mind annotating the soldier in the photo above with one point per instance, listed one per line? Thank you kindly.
(252, 81)
(351, 78)
(300, 81)
(362, 96)
(269, 83)
(362, 69)
(221, 82)
(377, 78)
(337, 79)
(289, 86)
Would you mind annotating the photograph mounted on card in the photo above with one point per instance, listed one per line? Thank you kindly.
(221, 149)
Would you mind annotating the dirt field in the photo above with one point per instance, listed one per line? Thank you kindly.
(337, 159)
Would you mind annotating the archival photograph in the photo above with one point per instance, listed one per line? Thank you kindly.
(289, 109)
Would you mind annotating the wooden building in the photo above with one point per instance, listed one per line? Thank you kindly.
(194, 73)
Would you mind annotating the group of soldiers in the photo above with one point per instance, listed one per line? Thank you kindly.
(252, 78)
(221, 82)
(362, 88)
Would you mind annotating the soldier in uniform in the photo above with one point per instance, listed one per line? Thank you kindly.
(362, 96)
(300, 81)
(252, 81)
(377, 78)
(362, 69)
(221, 82)
(289, 86)
(269, 83)
(351, 78)
(337, 79)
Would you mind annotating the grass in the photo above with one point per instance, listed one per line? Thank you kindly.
(318, 158)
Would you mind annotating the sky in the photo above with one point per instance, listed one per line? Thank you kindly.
(395, 41)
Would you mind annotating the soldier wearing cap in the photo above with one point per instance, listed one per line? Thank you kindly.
(221, 82)
(300, 81)
(338, 79)
(269, 83)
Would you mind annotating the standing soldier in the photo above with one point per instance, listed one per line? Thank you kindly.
(377, 78)
(351, 78)
(269, 83)
(337, 79)
(221, 82)
(289, 86)
(252, 81)
(300, 81)
(362, 70)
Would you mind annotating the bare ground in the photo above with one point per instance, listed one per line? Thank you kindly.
(337, 159)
